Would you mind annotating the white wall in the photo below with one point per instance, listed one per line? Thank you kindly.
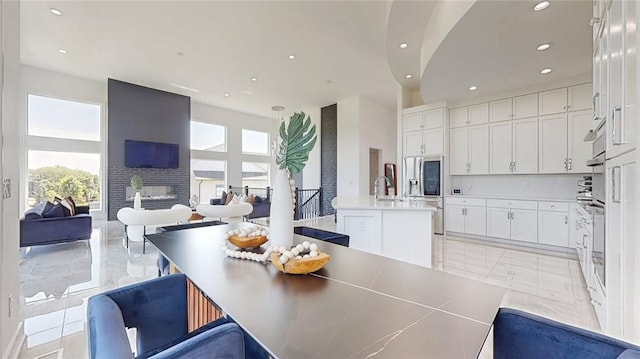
(561, 186)
(362, 124)
(378, 131)
(10, 319)
(348, 173)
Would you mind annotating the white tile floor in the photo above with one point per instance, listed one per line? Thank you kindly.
(57, 280)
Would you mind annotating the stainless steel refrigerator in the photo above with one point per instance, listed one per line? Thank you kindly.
(423, 178)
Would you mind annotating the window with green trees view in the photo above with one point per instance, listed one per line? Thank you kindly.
(64, 151)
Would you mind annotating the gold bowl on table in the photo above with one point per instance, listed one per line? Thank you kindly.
(300, 266)
(247, 242)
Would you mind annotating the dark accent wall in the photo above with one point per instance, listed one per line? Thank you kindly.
(146, 114)
(329, 156)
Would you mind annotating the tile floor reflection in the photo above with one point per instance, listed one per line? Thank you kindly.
(57, 280)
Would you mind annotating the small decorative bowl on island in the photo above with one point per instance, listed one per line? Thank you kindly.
(301, 259)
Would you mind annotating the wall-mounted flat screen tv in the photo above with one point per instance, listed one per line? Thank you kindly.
(139, 154)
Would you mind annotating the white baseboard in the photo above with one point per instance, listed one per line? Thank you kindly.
(15, 345)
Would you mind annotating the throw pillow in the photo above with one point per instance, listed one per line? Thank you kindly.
(56, 210)
(223, 198)
(257, 199)
(250, 198)
(229, 198)
(73, 204)
(36, 211)
(242, 198)
(69, 208)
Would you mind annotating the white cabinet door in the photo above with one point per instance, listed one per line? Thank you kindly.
(525, 106)
(458, 117)
(479, 114)
(476, 221)
(413, 121)
(433, 141)
(552, 148)
(553, 228)
(579, 151)
(458, 150)
(580, 97)
(525, 146)
(434, 118)
(479, 150)
(524, 225)
(413, 143)
(554, 101)
(498, 222)
(500, 110)
(500, 138)
(454, 219)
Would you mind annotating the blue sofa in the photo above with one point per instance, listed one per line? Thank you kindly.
(517, 334)
(36, 230)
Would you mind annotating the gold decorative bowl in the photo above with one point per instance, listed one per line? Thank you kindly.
(300, 266)
(247, 242)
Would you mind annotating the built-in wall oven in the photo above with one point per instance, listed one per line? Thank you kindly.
(597, 207)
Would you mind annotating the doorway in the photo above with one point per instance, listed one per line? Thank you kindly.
(374, 167)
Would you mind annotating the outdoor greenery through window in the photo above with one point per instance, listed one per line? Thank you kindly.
(208, 137)
(68, 162)
(64, 174)
(255, 174)
(255, 142)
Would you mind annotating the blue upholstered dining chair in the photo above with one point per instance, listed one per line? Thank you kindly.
(517, 334)
(158, 310)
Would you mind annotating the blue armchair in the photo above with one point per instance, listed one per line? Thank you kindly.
(518, 334)
(158, 310)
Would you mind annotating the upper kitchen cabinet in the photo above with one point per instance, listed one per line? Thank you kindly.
(561, 146)
(574, 98)
(423, 131)
(514, 108)
(469, 116)
(469, 150)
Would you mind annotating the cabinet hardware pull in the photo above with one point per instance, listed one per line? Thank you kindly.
(594, 20)
(595, 302)
(566, 219)
(615, 172)
(569, 163)
(614, 133)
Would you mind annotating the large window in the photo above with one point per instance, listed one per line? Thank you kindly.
(255, 174)
(208, 137)
(255, 142)
(207, 178)
(63, 151)
(52, 117)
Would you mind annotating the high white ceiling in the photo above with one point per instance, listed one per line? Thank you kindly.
(493, 46)
(339, 48)
(342, 48)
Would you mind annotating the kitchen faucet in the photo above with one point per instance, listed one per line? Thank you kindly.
(375, 185)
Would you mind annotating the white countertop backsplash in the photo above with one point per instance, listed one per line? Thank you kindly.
(562, 188)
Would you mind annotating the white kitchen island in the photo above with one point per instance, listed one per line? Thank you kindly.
(398, 229)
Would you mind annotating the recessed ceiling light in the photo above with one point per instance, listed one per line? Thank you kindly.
(56, 11)
(292, 56)
(545, 71)
(226, 94)
(543, 47)
(473, 88)
(408, 76)
(541, 6)
(62, 51)
(403, 45)
(254, 79)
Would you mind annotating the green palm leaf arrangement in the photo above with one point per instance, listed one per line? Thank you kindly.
(136, 182)
(296, 141)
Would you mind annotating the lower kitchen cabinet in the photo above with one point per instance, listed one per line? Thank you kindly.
(466, 216)
(553, 228)
(517, 220)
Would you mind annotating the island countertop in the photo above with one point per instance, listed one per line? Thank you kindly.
(358, 305)
(368, 202)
